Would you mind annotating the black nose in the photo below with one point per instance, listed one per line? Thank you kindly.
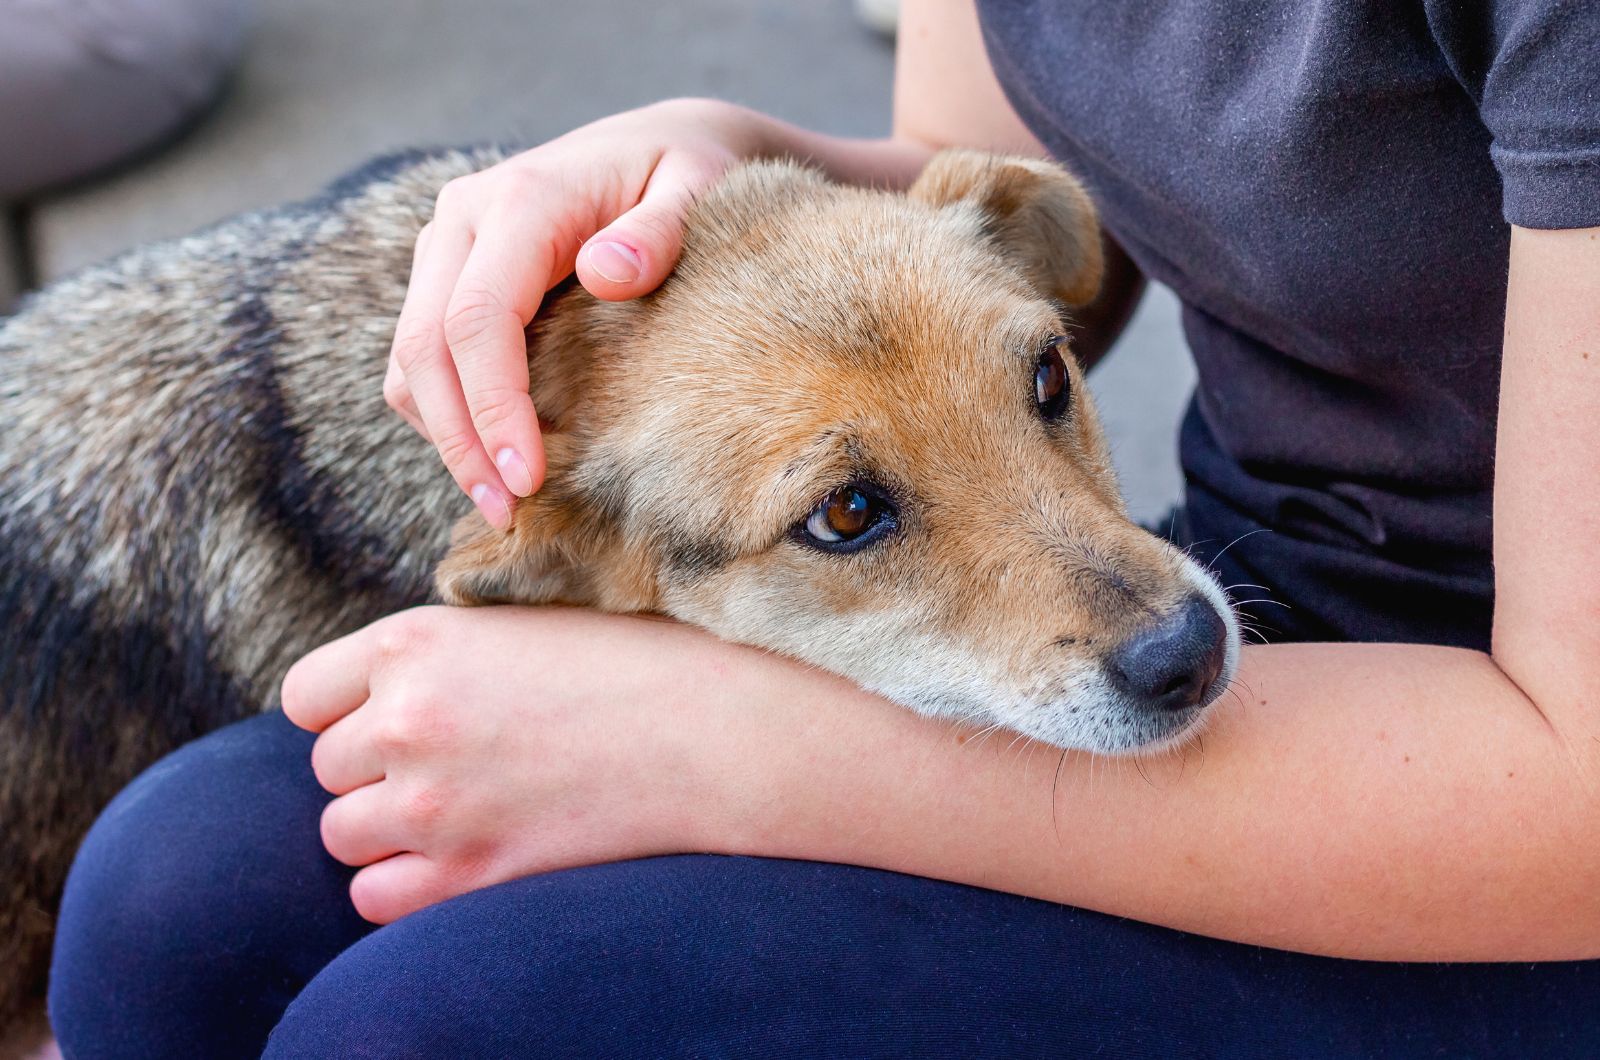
(1169, 664)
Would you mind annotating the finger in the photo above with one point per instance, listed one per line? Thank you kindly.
(329, 683)
(395, 391)
(430, 373)
(389, 889)
(361, 827)
(501, 285)
(346, 757)
(398, 396)
(634, 253)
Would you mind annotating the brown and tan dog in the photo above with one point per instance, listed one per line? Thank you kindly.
(848, 428)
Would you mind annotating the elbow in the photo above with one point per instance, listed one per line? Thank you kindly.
(1558, 685)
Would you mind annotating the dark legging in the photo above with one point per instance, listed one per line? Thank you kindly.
(202, 916)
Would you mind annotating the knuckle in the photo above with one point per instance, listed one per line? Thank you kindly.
(414, 721)
(673, 105)
(471, 312)
(395, 393)
(422, 808)
(701, 171)
(456, 448)
(415, 345)
(491, 409)
(455, 194)
(393, 735)
(390, 738)
(659, 226)
(401, 636)
(518, 184)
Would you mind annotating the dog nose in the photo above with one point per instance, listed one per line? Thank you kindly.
(1170, 664)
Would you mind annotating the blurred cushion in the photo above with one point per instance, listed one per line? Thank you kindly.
(84, 83)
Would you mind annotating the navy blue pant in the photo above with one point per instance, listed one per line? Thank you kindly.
(203, 919)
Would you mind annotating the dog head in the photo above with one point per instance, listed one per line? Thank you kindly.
(850, 428)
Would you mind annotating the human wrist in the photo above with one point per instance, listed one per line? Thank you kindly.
(788, 760)
(743, 132)
(739, 728)
(752, 135)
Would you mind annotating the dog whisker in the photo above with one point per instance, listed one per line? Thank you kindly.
(684, 494)
(1235, 541)
(984, 734)
(1055, 782)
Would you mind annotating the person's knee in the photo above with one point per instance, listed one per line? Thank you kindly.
(179, 885)
(542, 965)
(676, 955)
(702, 955)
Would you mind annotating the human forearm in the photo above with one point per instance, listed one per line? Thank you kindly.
(1361, 800)
(945, 95)
(1385, 802)
(885, 162)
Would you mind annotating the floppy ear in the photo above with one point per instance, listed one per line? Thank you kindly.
(1037, 213)
(562, 548)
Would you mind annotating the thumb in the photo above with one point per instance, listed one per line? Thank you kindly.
(633, 254)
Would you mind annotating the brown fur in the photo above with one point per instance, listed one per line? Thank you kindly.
(199, 481)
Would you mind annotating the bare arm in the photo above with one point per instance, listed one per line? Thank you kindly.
(1376, 801)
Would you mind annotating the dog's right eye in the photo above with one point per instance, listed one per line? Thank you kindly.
(1052, 383)
(848, 519)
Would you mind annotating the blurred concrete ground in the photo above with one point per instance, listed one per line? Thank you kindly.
(329, 83)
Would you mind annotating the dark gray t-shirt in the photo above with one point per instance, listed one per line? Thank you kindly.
(1327, 185)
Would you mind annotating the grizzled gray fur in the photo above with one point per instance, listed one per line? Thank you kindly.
(199, 482)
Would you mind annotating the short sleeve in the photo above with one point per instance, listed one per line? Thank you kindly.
(1533, 68)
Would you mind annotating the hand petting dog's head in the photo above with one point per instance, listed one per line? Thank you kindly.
(850, 429)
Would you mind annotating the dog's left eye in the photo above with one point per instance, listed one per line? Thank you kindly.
(848, 519)
(1052, 385)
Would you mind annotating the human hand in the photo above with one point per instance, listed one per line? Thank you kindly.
(468, 746)
(607, 199)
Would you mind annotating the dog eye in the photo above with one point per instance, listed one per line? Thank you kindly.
(1052, 386)
(848, 519)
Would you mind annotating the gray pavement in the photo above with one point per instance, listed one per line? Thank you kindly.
(329, 83)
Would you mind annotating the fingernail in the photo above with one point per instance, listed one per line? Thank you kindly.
(494, 507)
(617, 262)
(514, 471)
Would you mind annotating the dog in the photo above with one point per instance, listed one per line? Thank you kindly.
(848, 428)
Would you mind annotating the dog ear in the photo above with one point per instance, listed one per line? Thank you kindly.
(1036, 211)
(562, 548)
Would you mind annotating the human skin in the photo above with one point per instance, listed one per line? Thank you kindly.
(608, 200)
(1398, 802)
